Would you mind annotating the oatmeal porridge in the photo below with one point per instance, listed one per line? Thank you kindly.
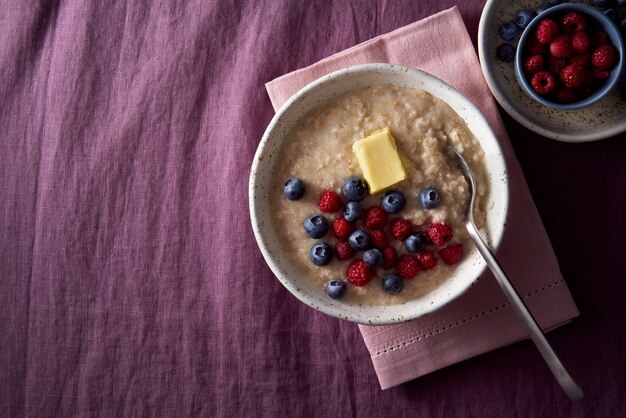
(321, 155)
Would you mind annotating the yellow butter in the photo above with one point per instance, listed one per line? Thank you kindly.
(379, 159)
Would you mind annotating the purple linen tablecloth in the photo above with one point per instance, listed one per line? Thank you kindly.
(130, 283)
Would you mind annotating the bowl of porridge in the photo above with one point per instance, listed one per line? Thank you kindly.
(356, 204)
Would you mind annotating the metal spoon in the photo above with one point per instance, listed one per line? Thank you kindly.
(570, 387)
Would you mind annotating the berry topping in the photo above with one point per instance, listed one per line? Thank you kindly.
(330, 202)
(378, 239)
(574, 22)
(294, 189)
(547, 31)
(401, 228)
(375, 218)
(429, 198)
(389, 257)
(542, 7)
(580, 42)
(534, 63)
(508, 31)
(355, 189)
(523, 17)
(393, 284)
(565, 95)
(359, 240)
(452, 254)
(543, 82)
(352, 211)
(321, 254)
(407, 267)
(343, 250)
(359, 273)
(604, 57)
(505, 52)
(336, 288)
(393, 201)
(572, 76)
(373, 257)
(342, 228)
(561, 47)
(427, 259)
(439, 234)
(610, 12)
(316, 226)
(415, 242)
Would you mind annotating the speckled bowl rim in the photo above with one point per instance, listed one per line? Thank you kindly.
(484, 26)
(473, 261)
(614, 35)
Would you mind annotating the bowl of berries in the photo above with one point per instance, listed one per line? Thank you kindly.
(569, 56)
(356, 204)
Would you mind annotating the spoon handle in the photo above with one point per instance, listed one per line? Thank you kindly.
(570, 387)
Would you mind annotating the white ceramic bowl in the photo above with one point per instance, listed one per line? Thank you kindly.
(266, 157)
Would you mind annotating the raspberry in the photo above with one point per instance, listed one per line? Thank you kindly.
(401, 228)
(439, 234)
(359, 273)
(543, 82)
(452, 254)
(375, 218)
(582, 60)
(378, 239)
(565, 95)
(547, 31)
(572, 76)
(599, 37)
(556, 64)
(342, 228)
(427, 259)
(535, 48)
(389, 258)
(343, 250)
(561, 47)
(407, 267)
(580, 41)
(590, 79)
(600, 74)
(574, 22)
(534, 63)
(603, 57)
(330, 202)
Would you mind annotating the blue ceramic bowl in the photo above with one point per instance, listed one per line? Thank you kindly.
(594, 16)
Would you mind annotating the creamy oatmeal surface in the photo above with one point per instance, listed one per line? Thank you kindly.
(319, 151)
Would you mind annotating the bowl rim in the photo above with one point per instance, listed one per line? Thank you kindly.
(329, 78)
(597, 95)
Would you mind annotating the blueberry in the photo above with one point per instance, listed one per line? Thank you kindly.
(610, 12)
(554, 2)
(359, 240)
(505, 52)
(622, 25)
(321, 254)
(621, 3)
(429, 198)
(352, 211)
(523, 18)
(543, 7)
(393, 283)
(336, 288)
(316, 226)
(355, 189)
(603, 3)
(508, 31)
(393, 201)
(415, 242)
(373, 257)
(294, 189)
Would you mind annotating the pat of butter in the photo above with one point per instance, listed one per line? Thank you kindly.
(379, 159)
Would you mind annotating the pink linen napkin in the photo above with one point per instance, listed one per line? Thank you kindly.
(481, 320)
